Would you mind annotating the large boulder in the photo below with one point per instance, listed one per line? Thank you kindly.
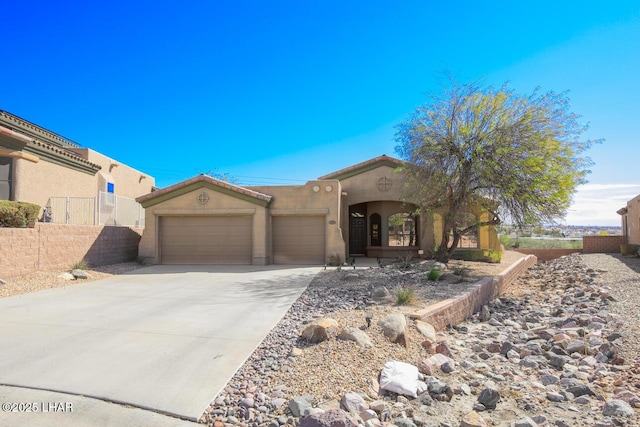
(298, 404)
(79, 274)
(320, 330)
(354, 403)
(427, 330)
(358, 336)
(331, 418)
(381, 295)
(617, 408)
(394, 327)
(473, 419)
(489, 398)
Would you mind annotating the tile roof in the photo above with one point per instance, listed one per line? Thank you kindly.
(240, 191)
(356, 169)
(41, 139)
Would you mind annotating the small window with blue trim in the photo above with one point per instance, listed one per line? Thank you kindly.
(110, 187)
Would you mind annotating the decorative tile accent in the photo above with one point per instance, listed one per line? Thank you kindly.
(384, 183)
(203, 198)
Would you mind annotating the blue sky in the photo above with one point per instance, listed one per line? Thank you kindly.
(281, 92)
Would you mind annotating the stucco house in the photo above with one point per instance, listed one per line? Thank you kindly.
(37, 165)
(356, 211)
(630, 216)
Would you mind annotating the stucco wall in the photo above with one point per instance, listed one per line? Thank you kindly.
(59, 246)
(218, 204)
(313, 198)
(128, 182)
(633, 221)
(36, 182)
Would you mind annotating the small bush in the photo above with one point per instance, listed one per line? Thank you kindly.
(461, 271)
(434, 274)
(80, 265)
(406, 296)
(17, 214)
(405, 261)
(335, 260)
(493, 256)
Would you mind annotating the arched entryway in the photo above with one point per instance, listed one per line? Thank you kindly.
(383, 229)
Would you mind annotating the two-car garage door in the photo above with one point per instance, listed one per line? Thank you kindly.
(228, 239)
(206, 239)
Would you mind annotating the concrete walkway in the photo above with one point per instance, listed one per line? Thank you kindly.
(163, 338)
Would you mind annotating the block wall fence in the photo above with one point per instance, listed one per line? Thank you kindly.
(53, 246)
(602, 244)
(455, 310)
(590, 245)
(544, 255)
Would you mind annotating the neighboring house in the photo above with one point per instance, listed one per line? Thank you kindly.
(39, 166)
(631, 221)
(356, 211)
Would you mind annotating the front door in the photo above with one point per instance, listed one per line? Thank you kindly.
(357, 236)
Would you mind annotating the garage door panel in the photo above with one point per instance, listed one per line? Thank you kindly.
(206, 240)
(298, 239)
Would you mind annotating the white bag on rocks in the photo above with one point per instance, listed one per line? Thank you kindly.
(401, 378)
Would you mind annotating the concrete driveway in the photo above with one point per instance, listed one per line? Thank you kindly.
(165, 338)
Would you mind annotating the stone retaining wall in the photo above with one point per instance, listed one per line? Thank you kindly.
(51, 246)
(455, 310)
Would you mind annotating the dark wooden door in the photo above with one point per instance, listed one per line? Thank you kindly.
(357, 236)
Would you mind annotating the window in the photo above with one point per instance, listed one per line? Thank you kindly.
(5, 178)
(109, 197)
(376, 228)
(402, 230)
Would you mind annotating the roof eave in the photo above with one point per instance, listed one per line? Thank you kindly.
(366, 166)
(204, 181)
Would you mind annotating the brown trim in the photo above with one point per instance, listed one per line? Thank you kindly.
(359, 168)
(46, 151)
(16, 154)
(204, 181)
(31, 129)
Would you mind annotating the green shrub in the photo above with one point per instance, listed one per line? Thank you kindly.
(478, 255)
(406, 296)
(17, 214)
(80, 265)
(434, 274)
(493, 256)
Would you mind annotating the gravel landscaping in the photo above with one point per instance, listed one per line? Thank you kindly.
(561, 349)
(50, 279)
(557, 351)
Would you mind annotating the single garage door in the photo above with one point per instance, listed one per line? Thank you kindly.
(206, 239)
(298, 239)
